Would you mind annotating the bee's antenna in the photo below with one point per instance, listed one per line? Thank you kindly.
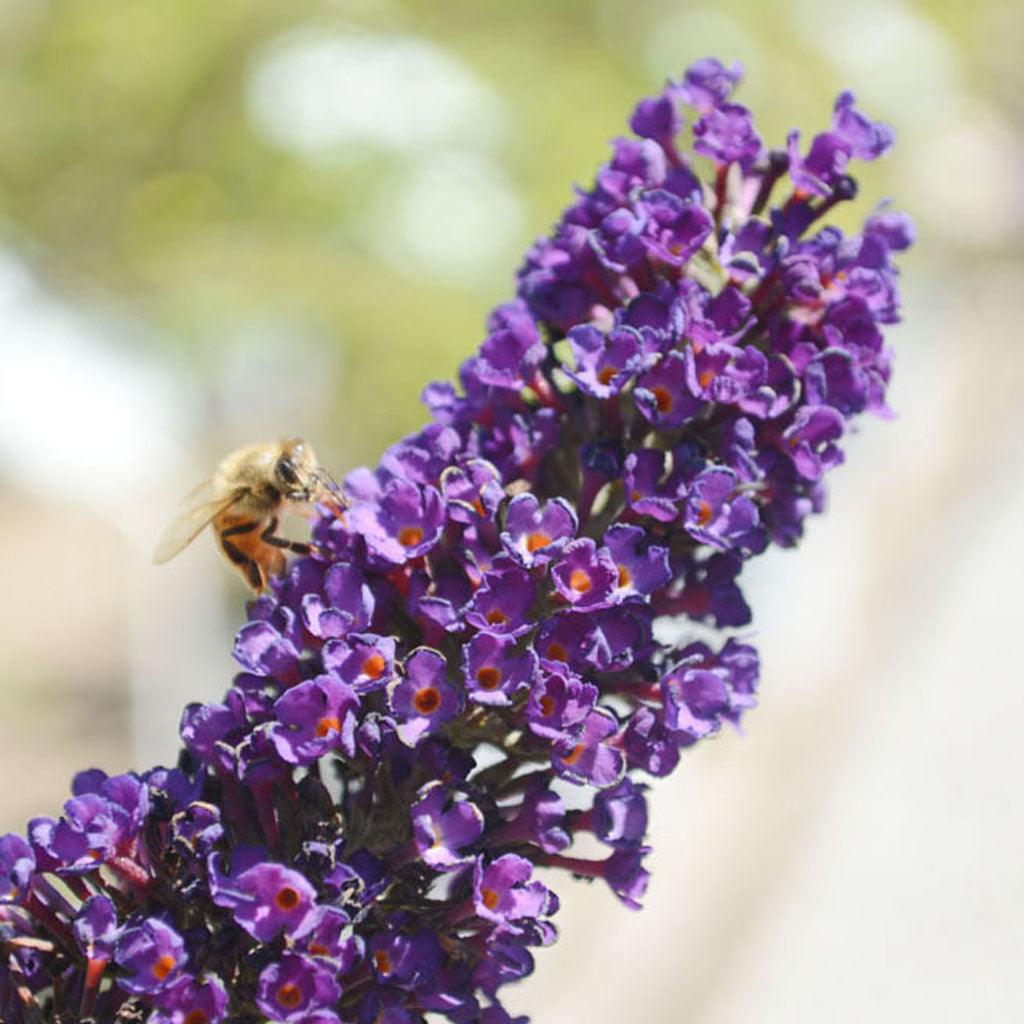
(325, 480)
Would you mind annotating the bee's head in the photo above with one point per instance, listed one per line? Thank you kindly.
(295, 472)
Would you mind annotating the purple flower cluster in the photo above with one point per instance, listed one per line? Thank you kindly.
(468, 673)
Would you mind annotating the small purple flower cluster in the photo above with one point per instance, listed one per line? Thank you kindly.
(469, 673)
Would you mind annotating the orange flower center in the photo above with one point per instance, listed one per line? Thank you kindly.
(316, 949)
(703, 514)
(556, 652)
(625, 576)
(488, 677)
(706, 378)
(164, 966)
(374, 666)
(289, 995)
(606, 375)
(537, 540)
(547, 706)
(490, 898)
(662, 398)
(427, 700)
(382, 961)
(327, 724)
(287, 898)
(410, 536)
(574, 755)
(496, 617)
(197, 1017)
(580, 581)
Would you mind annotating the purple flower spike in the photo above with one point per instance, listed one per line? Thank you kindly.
(424, 700)
(193, 1001)
(586, 576)
(289, 990)
(352, 831)
(268, 899)
(152, 955)
(495, 668)
(503, 892)
(444, 824)
(17, 862)
(313, 718)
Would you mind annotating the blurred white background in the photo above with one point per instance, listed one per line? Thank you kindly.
(236, 221)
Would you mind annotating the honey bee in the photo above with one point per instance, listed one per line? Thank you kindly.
(244, 501)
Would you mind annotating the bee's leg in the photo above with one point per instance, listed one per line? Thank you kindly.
(269, 537)
(249, 566)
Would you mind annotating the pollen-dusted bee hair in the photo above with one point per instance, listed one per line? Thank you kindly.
(244, 501)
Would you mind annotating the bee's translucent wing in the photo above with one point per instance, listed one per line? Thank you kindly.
(201, 493)
(188, 524)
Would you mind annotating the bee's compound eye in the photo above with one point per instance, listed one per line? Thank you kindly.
(285, 471)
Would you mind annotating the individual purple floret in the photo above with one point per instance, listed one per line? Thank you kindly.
(314, 718)
(495, 668)
(591, 759)
(424, 700)
(620, 814)
(443, 825)
(662, 395)
(193, 1001)
(534, 535)
(586, 576)
(605, 363)
(291, 989)
(474, 668)
(504, 893)
(404, 522)
(642, 566)
(96, 928)
(152, 955)
(715, 514)
(268, 899)
(17, 863)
